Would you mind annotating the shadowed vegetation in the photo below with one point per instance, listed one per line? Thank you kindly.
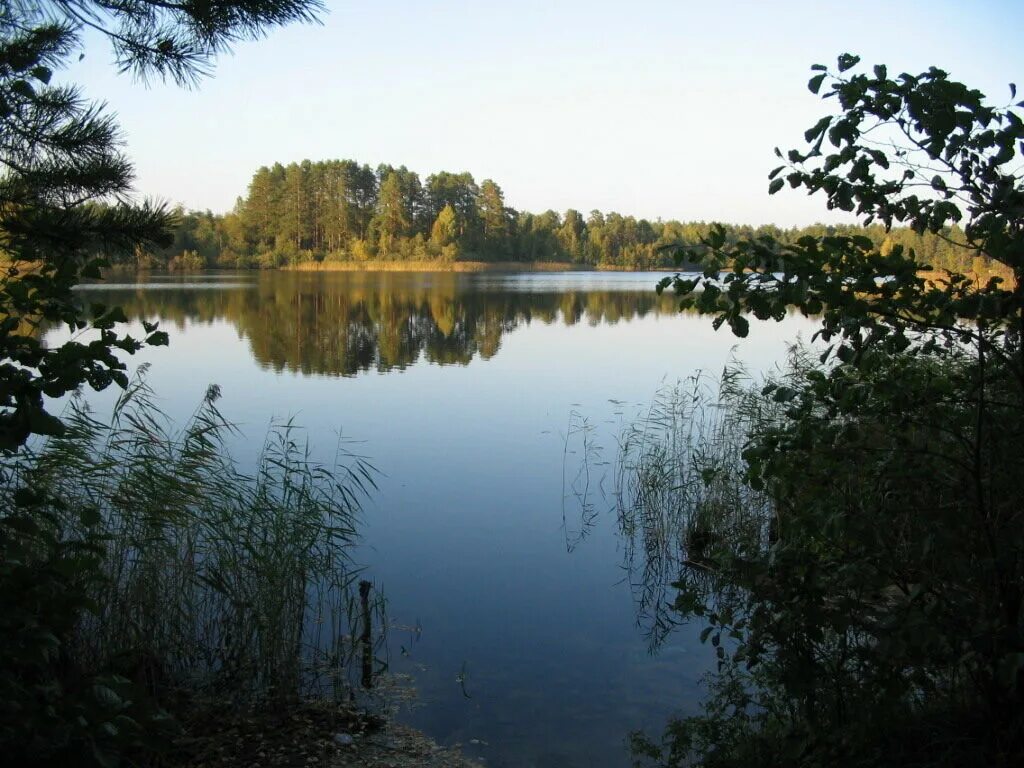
(678, 496)
(192, 580)
(854, 541)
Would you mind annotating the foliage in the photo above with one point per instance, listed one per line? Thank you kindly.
(891, 137)
(874, 617)
(51, 711)
(58, 155)
(337, 210)
(65, 212)
(142, 567)
(179, 41)
(64, 184)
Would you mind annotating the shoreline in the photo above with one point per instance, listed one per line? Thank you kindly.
(979, 277)
(304, 733)
(446, 266)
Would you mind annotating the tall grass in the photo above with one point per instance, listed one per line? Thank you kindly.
(216, 582)
(681, 496)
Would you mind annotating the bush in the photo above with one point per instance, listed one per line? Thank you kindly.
(142, 568)
(860, 606)
(876, 617)
(52, 710)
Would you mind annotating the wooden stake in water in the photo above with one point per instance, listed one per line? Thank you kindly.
(367, 636)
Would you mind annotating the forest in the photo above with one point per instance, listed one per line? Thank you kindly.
(341, 211)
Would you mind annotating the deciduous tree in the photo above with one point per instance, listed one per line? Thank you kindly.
(876, 616)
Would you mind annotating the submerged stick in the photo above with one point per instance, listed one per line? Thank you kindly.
(367, 636)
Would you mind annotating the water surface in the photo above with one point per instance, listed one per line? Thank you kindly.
(468, 392)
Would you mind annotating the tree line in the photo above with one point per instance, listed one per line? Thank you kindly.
(339, 210)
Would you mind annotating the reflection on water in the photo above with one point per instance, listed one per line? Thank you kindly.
(344, 323)
(492, 405)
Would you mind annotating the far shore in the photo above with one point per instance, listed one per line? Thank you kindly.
(450, 266)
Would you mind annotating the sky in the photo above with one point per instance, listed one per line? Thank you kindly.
(656, 109)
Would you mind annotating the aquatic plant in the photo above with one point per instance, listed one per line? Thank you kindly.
(681, 499)
(211, 581)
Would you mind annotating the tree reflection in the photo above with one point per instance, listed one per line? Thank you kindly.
(343, 324)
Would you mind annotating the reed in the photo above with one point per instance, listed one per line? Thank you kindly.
(215, 582)
(681, 496)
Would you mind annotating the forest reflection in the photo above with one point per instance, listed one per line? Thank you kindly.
(342, 324)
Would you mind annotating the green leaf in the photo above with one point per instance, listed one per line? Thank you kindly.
(776, 185)
(116, 315)
(43, 423)
(784, 394)
(817, 129)
(740, 326)
(814, 84)
(847, 61)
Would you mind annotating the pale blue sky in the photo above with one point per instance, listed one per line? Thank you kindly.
(657, 109)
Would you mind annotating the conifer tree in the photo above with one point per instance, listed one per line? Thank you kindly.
(392, 217)
(65, 208)
(494, 217)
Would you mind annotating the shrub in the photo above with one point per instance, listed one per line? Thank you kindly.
(142, 566)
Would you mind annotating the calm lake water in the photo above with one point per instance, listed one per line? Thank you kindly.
(467, 392)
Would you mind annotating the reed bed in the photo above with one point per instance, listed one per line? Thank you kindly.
(215, 581)
(681, 495)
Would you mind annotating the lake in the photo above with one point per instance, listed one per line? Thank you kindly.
(484, 400)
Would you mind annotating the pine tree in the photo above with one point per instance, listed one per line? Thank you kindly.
(393, 220)
(257, 210)
(64, 209)
(572, 235)
(495, 219)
